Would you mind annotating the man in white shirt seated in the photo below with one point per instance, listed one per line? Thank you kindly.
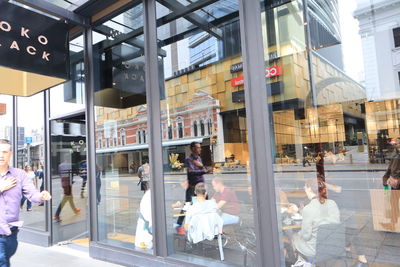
(202, 220)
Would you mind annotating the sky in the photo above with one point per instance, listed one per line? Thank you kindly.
(351, 40)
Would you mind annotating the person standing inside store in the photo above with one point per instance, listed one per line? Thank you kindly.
(14, 184)
(195, 175)
(391, 179)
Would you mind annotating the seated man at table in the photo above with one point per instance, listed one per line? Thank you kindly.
(227, 202)
(202, 217)
(319, 211)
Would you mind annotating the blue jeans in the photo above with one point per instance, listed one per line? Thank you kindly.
(8, 247)
(28, 203)
(229, 219)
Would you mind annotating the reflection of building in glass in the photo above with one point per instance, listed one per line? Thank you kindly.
(380, 35)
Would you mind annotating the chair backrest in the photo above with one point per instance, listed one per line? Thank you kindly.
(204, 226)
(330, 242)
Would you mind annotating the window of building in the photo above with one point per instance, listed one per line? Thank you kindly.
(122, 101)
(123, 137)
(100, 142)
(107, 142)
(170, 133)
(139, 137)
(209, 127)
(180, 129)
(30, 120)
(396, 37)
(202, 128)
(214, 46)
(195, 130)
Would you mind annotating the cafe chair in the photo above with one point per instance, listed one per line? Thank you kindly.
(206, 226)
(331, 245)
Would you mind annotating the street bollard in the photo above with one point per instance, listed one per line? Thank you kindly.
(351, 158)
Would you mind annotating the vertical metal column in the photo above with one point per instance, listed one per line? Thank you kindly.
(15, 131)
(154, 126)
(90, 133)
(263, 186)
(47, 160)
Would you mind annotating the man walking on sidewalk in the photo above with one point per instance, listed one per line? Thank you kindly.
(14, 184)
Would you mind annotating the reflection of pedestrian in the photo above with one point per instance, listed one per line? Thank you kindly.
(40, 176)
(392, 178)
(195, 175)
(144, 174)
(31, 175)
(306, 155)
(319, 150)
(98, 183)
(82, 166)
(65, 171)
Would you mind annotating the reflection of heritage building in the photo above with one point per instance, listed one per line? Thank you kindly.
(381, 46)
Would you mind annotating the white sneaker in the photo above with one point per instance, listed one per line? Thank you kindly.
(300, 262)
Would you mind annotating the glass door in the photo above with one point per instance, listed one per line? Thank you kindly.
(69, 180)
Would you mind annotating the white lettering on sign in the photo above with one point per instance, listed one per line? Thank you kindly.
(14, 45)
(31, 50)
(5, 26)
(46, 56)
(24, 32)
(43, 40)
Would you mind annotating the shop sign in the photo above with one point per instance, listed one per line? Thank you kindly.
(237, 67)
(269, 72)
(3, 109)
(32, 42)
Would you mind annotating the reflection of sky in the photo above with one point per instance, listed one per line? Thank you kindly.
(351, 40)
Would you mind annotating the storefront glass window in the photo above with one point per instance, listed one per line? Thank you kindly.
(30, 154)
(205, 149)
(333, 96)
(70, 96)
(122, 168)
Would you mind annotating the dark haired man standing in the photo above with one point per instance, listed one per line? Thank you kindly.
(195, 175)
(14, 184)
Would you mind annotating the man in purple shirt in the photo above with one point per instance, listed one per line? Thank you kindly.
(13, 184)
(195, 175)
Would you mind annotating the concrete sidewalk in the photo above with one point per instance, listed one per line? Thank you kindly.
(60, 256)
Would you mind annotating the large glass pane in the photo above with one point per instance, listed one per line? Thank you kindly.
(204, 135)
(336, 130)
(122, 165)
(70, 96)
(30, 154)
(69, 179)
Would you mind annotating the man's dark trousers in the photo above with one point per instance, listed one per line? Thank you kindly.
(8, 247)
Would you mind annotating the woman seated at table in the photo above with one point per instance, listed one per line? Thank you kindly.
(319, 211)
